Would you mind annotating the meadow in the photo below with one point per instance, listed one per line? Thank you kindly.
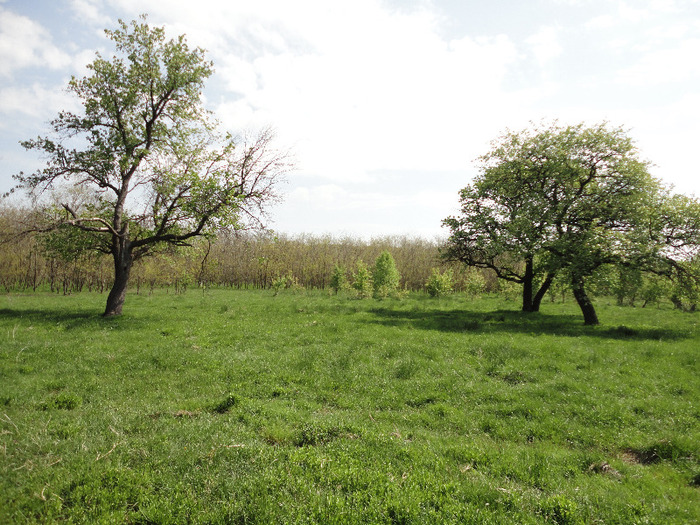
(236, 406)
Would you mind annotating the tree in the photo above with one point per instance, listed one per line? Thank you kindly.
(385, 276)
(440, 283)
(158, 170)
(555, 199)
(339, 280)
(362, 280)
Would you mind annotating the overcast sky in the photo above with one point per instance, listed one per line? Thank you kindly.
(385, 103)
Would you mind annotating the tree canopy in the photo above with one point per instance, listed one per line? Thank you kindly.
(153, 168)
(565, 200)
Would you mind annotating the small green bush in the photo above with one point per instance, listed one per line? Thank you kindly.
(339, 280)
(362, 280)
(286, 282)
(561, 510)
(385, 276)
(474, 284)
(62, 401)
(439, 284)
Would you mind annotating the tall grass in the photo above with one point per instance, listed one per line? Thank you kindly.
(240, 407)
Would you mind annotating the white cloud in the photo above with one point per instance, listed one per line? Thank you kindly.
(25, 43)
(365, 211)
(360, 89)
(673, 64)
(352, 86)
(545, 45)
(37, 101)
(605, 21)
(633, 13)
(89, 11)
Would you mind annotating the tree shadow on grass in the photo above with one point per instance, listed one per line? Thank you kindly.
(509, 321)
(69, 319)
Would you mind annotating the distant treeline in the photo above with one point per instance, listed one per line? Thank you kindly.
(262, 260)
(241, 260)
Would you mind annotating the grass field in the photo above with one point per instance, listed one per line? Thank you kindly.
(240, 407)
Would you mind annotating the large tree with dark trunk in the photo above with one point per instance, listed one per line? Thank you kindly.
(148, 153)
(557, 200)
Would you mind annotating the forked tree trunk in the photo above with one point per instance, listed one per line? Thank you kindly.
(123, 261)
(584, 302)
(544, 288)
(532, 300)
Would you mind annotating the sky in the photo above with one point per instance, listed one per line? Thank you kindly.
(385, 104)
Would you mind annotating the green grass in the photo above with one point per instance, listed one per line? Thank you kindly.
(240, 407)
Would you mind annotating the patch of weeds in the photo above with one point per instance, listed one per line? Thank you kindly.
(278, 392)
(6, 401)
(55, 386)
(516, 412)
(399, 515)
(225, 404)
(679, 391)
(439, 410)
(311, 435)
(64, 431)
(421, 401)
(602, 467)
(514, 377)
(561, 510)
(184, 413)
(640, 410)
(405, 370)
(489, 426)
(695, 480)
(224, 308)
(113, 489)
(664, 450)
(62, 401)
(276, 435)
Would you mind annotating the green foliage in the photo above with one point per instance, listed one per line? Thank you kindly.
(474, 284)
(440, 283)
(339, 280)
(685, 295)
(654, 288)
(569, 199)
(385, 276)
(143, 125)
(62, 401)
(509, 290)
(561, 510)
(628, 285)
(286, 282)
(362, 280)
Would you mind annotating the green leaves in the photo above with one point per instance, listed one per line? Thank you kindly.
(145, 144)
(567, 197)
(385, 277)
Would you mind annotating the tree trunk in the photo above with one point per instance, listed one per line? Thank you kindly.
(587, 309)
(527, 286)
(122, 269)
(544, 287)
